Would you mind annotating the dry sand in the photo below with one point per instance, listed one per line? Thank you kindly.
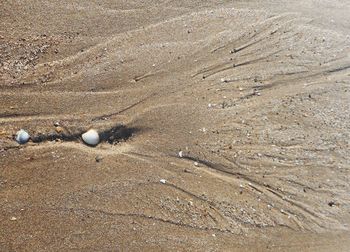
(255, 95)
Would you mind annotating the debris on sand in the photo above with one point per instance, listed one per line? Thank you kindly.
(91, 137)
(331, 203)
(59, 129)
(98, 158)
(163, 181)
(22, 136)
(181, 154)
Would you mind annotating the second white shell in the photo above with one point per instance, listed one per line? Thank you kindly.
(91, 137)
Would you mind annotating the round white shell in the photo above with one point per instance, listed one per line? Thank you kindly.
(22, 136)
(91, 137)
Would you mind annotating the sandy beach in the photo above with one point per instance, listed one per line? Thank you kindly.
(224, 125)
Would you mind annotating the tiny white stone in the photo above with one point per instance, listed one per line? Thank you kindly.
(163, 181)
(91, 137)
(196, 164)
(203, 130)
(180, 154)
(22, 136)
(13, 218)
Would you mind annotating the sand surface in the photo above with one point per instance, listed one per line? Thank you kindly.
(254, 95)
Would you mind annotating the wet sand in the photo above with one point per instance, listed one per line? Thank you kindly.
(225, 125)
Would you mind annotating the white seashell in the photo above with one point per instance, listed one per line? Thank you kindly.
(22, 136)
(91, 137)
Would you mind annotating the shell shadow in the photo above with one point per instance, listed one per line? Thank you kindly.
(113, 135)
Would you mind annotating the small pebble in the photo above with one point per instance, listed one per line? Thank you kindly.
(180, 154)
(163, 181)
(331, 203)
(59, 129)
(13, 218)
(196, 164)
(56, 124)
(98, 159)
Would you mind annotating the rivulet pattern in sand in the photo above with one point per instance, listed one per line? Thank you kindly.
(255, 97)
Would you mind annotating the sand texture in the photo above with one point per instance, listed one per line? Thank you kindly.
(224, 125)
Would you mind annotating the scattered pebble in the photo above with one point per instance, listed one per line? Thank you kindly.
(59, 129)
(13, 218)
(22, 136)
(56, 124)
(196, 164)
(331, 203)
(203, 130)
(91, 137)
(180, 154)
(163, 181)
(98, 159)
